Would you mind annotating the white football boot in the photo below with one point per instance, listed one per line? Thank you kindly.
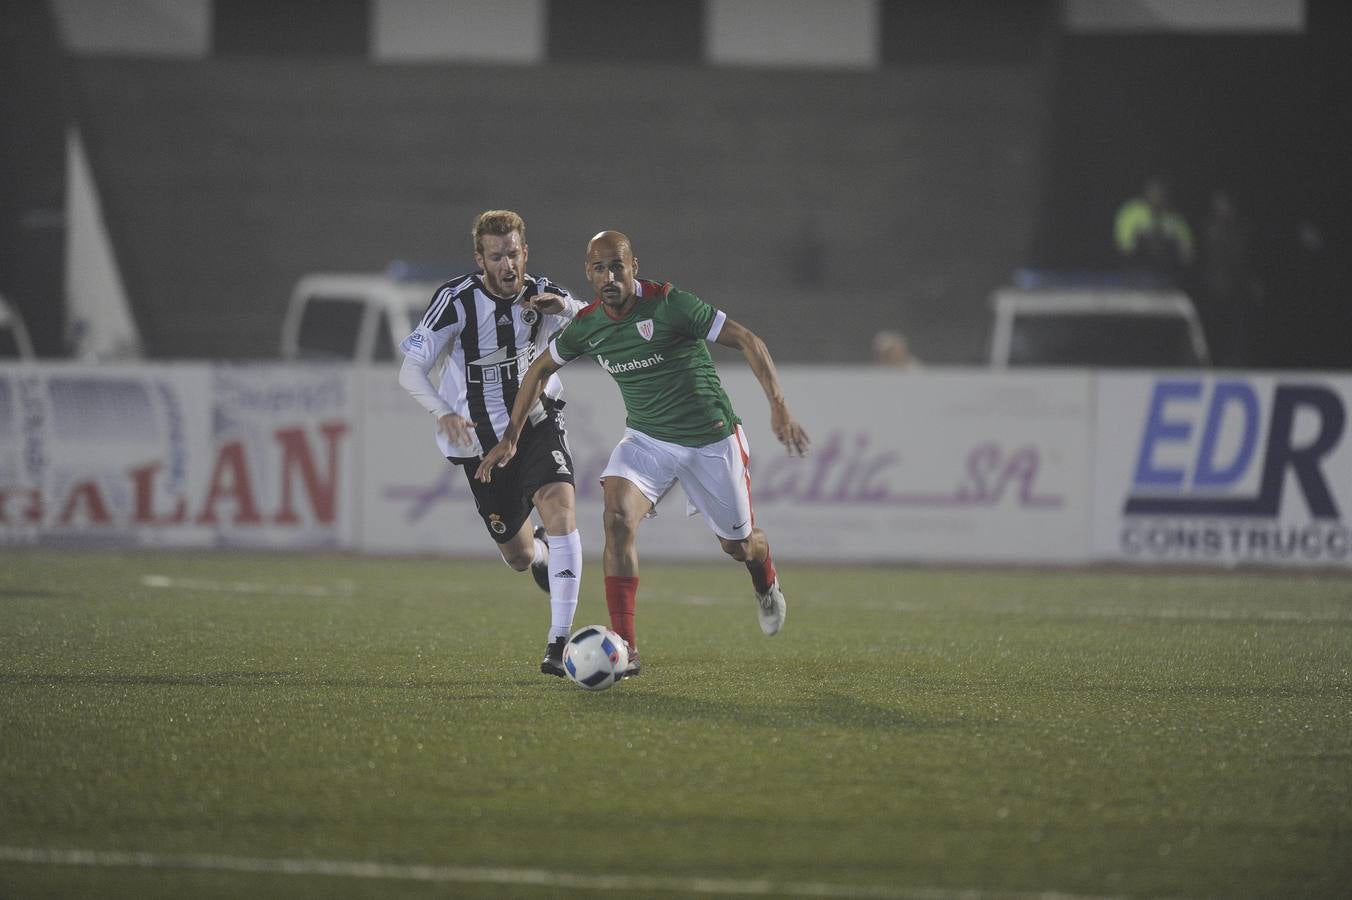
(635, 667)
(772, 609)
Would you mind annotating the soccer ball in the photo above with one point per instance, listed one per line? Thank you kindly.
(595, 657)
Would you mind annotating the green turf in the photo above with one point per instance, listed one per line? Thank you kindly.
(991, 731)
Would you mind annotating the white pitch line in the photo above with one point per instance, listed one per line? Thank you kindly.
(1172, 613)
(1022, 608)
(543, 878)
(246, 587)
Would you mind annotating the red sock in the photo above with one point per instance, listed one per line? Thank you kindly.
(763, 573)
(621, 591)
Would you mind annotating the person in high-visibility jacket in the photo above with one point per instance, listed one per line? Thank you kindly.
(1151, 234)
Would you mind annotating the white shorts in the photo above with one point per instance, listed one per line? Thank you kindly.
(716, 478)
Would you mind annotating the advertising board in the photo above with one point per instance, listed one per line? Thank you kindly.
(934, 466)
(177, 455)
(1223, 469)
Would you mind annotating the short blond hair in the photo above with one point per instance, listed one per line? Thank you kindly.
(499, 222)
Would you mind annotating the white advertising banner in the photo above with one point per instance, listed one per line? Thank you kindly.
(177, 455)
(114, 454)
(917, 466)
(1223, 469)
(285, 471)
(939, 465)
(414, 501)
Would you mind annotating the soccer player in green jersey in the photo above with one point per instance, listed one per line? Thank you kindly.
(652, 339)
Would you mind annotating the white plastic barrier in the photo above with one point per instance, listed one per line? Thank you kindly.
(1228, 468)
(178, 455)
(948, 466)
(941, 465)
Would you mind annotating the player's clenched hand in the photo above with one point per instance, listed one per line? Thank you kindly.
(552, 304)
(787, 429)
(499, 456)
(457, 428)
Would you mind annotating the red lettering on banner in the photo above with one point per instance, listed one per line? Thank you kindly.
(144, 514)
(230, 480)
(296, 453)
(88, 492)
(309, 479)
(31, 514)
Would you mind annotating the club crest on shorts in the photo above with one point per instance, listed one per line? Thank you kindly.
(495, 522)
(645, 329)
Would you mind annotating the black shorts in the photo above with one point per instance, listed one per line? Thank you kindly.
(505, 502)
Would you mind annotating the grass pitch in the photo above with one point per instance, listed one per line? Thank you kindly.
(224, 725)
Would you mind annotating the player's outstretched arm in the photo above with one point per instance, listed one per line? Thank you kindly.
(531, 386)
(555, 304)
(414, 377)
(785, 426)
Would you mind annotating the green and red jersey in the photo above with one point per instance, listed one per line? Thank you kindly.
(659, 356)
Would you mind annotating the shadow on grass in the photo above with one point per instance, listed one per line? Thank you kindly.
(28, 594)
(828, 709)
(225, 679)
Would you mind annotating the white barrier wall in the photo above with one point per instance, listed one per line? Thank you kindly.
(941, 465)
(179, 455)
(1228, 468)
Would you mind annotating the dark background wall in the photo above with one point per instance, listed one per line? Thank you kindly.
(290, 27)
(1267, 118)
(33, 117)
(817, 206)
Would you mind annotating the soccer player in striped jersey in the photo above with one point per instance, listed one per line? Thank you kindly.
(653, 340)
(489, 326)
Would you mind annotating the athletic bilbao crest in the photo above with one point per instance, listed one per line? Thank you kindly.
(645, 328)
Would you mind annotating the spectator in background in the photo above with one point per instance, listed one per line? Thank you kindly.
(1151, 235)
(1230, 292)
(890, 348)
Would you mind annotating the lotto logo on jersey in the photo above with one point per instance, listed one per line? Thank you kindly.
(496, 368)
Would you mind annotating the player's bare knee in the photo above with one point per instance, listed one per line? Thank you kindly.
(736, 549)
(617, 524)
(620, 527)
(756, 547)
(558, 518)
(519, 560)
(554, 502)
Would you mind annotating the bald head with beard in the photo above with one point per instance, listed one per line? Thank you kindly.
(612, 269)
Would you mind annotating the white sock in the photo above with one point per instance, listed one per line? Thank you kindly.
(565, 578)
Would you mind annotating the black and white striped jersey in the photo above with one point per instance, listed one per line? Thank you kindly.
(488, 343)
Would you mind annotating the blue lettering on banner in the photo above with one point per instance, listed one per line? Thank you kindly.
(1227, 393)
(1159, 489)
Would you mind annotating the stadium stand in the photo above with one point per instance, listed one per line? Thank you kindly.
(32, 148)
(886, 196)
